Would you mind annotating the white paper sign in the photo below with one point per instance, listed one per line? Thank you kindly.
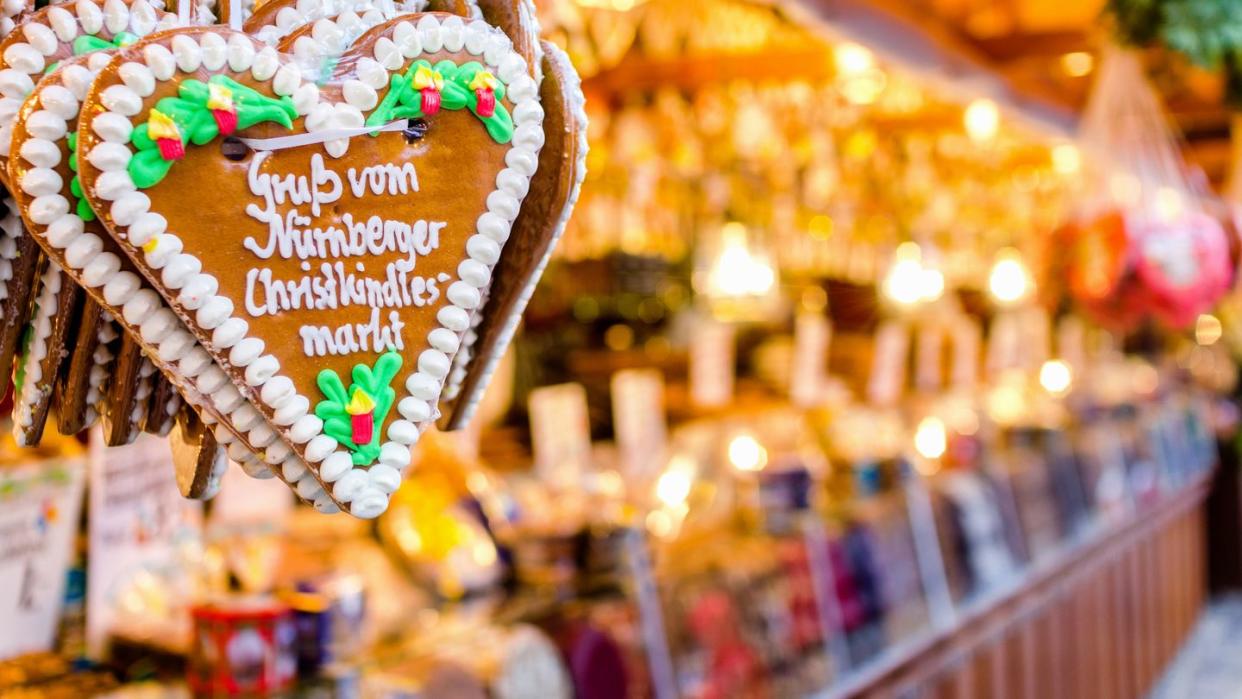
(1004, 343)
(39, 506)
(888, 368)
(812, 335)
(1036, 338)
(967, 339)
(561, 434)
(1072, 343)
(138, 521)
(638, 417)
(711, 363)
(928, 358)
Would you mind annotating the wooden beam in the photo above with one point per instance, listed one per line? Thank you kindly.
(927, 45)
(1024, 45)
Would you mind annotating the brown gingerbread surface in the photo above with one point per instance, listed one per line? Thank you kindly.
(72, 405)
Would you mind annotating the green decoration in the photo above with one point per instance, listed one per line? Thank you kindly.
(89, 44)
(405, 98)
(363, 408)
(199, 119)
(1207, 32)
(81, 208)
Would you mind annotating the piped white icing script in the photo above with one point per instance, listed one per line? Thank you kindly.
(334, 257)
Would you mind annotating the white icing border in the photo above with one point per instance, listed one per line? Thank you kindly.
(366, 490)
(576, 100)
(31, 357)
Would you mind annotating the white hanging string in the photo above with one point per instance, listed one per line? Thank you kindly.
(235, 15)
(313, 137)
(183, 12)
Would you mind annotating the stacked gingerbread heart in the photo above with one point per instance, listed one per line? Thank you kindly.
(297, 239)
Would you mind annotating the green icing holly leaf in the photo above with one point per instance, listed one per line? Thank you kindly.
(81, 208)
(404, 102)
(197, 124)
(374, 382)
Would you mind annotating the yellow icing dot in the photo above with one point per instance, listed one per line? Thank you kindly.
(151, 245)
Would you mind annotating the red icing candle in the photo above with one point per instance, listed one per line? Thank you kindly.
(431, 101)
(487, 102)
(363, 426)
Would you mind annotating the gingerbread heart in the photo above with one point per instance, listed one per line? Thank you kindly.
(545, 212)
(58, 217)
(342, 250)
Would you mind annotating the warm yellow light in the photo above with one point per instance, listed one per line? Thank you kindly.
(1066, 159)
(982, 119)
(1169, 203)
(673, 486)
(1009, 281)
(1126, 189)
(931, 438)
(904, 283)
(852, 59)
(1207, 329)
(1077, 64)
(747, 454)
(1055, 376)
(736, 271)
(931, 284)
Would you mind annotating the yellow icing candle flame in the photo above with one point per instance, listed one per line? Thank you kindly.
(483, 80)
(219, 97)
(162, 126)
(360, 404)
(425, 77)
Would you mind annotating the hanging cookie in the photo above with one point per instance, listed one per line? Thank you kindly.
(59, 217)
(332, 272)
(544, 215)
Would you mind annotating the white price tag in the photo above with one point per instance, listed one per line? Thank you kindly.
(561, 434)
(138, 524)
(929, 357)
(967, 339)
(711, 363)
(638, 417)
(888, 364)
(39, 505)
(812, 335)
(1004, 343)
(1072, 343)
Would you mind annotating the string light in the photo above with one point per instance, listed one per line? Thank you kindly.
(1066, 159)
(1077, 64)
(747, 454)
(673, 486)
(982, 119)
(1055, 376)
(909, 281)
(852, 59)
(931, 438)
(1207, 329)
(1009, 281)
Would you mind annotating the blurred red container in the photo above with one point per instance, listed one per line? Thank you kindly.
(242, 646)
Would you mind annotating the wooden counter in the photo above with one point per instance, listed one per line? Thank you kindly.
(1100, 620)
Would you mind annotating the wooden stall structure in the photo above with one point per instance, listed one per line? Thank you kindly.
(1100, 621)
